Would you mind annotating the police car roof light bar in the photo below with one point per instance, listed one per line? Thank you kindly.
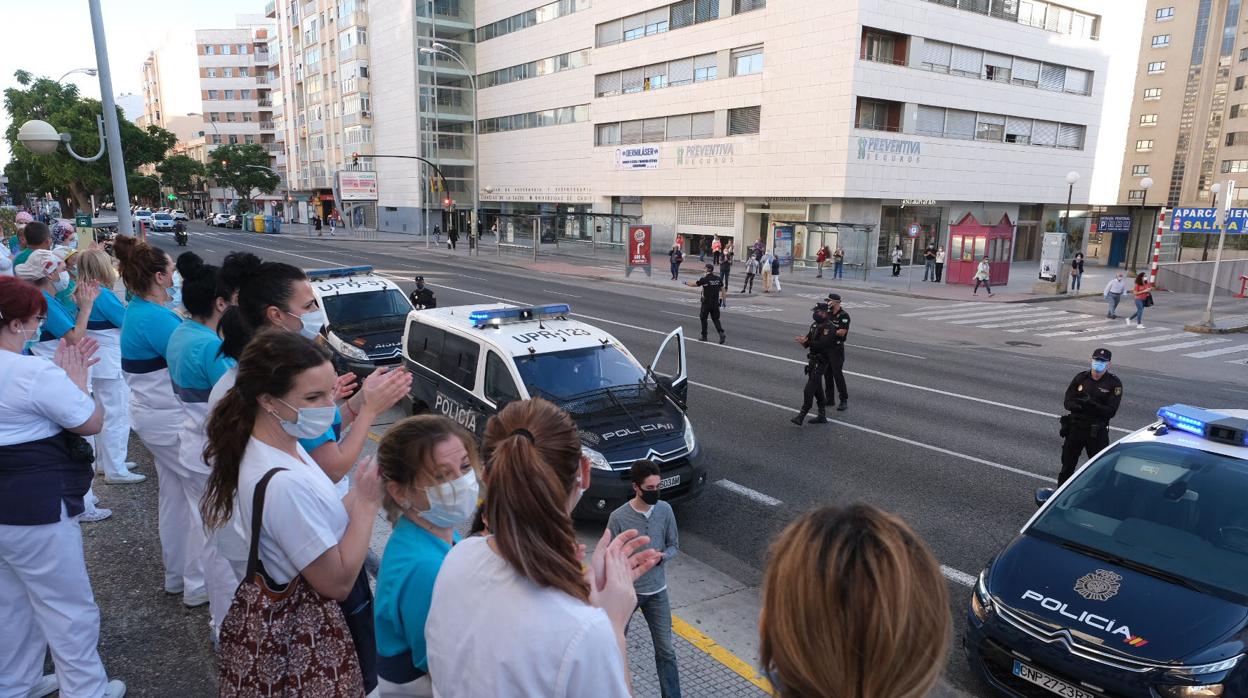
(339, 272)
(503, 316)
(1213, 426)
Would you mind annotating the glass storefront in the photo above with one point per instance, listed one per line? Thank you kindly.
(895, 225)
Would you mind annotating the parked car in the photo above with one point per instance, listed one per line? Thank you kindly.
(180, 215)
(234, 221)
(219, 219)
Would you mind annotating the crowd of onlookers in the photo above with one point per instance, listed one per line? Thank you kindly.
(266, 510)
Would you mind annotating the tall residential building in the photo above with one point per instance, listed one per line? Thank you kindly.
(166, 90)
(860, 123)
(153, 110)
(237, 75)
(327, 110)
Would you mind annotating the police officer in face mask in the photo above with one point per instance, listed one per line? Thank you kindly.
(1092, 400)
(711, 285)
(834, 379)
(422, 296)
(818, 342)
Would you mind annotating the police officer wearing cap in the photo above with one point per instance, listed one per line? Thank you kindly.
(835, 376)
(422, 296)
(1092, 400)
(711, 285)
(818, 342)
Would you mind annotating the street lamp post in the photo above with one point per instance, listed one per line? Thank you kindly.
(1204, 257)
(440, 48)
(1217, 260)
(89, 71)
(1071, 178)
(116, 163)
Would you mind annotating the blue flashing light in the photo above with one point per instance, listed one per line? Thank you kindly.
(502, 316)
(339, 272)
(1206, 424)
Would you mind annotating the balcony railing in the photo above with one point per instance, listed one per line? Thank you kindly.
(262, 79)
(266, 102)
(267, 126)
(270, 9)
(262, 57)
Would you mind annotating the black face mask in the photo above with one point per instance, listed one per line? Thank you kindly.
(650, 496)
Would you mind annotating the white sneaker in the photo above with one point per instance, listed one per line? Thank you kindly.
(124, 478)
(1128, 321)
(129, 465)
(115, 689)
(1139, 327)
(45, 686)
(98, 515)
(195, 599)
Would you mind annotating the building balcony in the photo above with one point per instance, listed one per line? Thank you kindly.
(263, 57)
(266, 102)
(262, 79)
(359, 18)
(355, 53)
(267, 126)
(270, 10)
(353, 85)
(274, 148)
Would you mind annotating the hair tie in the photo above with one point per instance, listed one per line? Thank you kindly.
(523, 432)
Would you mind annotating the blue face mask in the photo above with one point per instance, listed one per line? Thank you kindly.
(28, 346)
(1100, 366)
(175, 292)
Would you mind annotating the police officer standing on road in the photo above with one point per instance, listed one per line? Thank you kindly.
(818, 342)
(711, 284)
(1092, 400)
(835, 376)
(421, 296)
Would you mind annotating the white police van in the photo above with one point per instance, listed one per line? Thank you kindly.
(365, 316)
(468, 361)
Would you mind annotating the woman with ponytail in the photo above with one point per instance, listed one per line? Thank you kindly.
(528, 573)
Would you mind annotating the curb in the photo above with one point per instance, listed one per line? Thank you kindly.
(1204, 329)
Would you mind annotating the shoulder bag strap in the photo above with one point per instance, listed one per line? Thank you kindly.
(257, 520)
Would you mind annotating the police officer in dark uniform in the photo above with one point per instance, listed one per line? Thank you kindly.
(1092, 400)
(835, 375)
(818, 342)
(711, 285)
(422, 296)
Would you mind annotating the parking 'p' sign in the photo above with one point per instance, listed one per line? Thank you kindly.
(639, 238)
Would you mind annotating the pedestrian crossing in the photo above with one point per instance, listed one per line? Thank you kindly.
(1045, 321)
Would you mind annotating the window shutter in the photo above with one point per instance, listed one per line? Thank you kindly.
(1078, 81)
(967, 60)
(1025, 70)
(608, 84)
(630, 132)
(682, 14)
(931, 121)
(937, 53)
(1070, 136)
(678, 127)
(1052, 77)
(658, 16)
(702, 125)
(653, 130)
(707, 60)
(998, 60)
(637, 21)
(743, 120)
(1044, 133)
(654, 71)
(610, 33)
(707, 10)
(680, 72)
(1017, 127)
(632, 80)
(960, 124)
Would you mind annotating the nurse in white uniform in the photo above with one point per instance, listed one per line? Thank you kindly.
(45, 594)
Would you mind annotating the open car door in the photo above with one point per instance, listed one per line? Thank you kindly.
(670, 369)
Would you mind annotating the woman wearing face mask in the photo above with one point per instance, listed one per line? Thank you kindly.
(195, 365)
(528, 573)
(155, 412)
(429, 465)
(284, 391)
(47, 272)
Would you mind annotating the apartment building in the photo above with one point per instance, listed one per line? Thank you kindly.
(327, 110)
(237, 76)
(153, 110)
(865, 124)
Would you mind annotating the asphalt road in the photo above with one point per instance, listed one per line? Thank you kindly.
(950, 431)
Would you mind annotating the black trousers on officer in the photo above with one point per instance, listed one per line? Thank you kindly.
(1081, 437)
(813, 392)
(713, 312)
(834, 377)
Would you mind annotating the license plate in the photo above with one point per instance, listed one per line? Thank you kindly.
(669, 482)
(1043, 680)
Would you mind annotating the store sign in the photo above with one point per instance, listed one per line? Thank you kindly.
(642, 157)
(357, 186)
(914, 230)
(889, 150)
(917, 202)
(639, 237)
(1114, 224)
(1207, 220)
(539, 194)
(711, 154)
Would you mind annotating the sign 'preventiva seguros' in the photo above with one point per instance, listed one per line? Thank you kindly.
(889, 150)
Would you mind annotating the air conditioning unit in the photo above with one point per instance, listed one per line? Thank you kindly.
(366, 113)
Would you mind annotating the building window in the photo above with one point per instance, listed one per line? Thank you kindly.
(244, 94)
(1152, 93)
(1161, 40)
(229, 117)
(1237, 138)
(242, 49)
(942, 57)
(535, 119)
(212, 94)
(990, 127)
(881, 47)
(1237, 111)
(214, 116)
(1144, 146)
(1239, 82)
(1033, 13)
(244, 72)
(1148, 119)
(657, 21)
(210, 50)
(211, 73)
(1135, 195)
(739, 6)
(1234, 166)
(545, 66)
(878, 115)
(747, 61)
(545, 13)
(1139, 170)
(743, 120)
(705, 68)
(1164, 14)
(681, 127)
(1156, 67)
(229, 94)
(969, 125)
(227, 72)
(247, 117)
(226, 49)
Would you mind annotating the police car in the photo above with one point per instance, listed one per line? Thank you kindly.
(468, 361)
(365, 315)
(1132, 579)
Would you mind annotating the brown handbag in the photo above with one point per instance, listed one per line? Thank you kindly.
(284, 642)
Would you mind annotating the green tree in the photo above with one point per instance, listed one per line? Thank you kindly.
(244, 167)
(181, 174)
(144, 187)
(69, 180)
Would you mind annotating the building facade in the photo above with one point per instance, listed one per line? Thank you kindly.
(237, 76)
(327, 106)
(153, 109)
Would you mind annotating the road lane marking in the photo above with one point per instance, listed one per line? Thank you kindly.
(1146, 340)
(886, 435)
(1218, 352)
(470, 276)
(927, 310)
(556, 293)
(1186, 345)
(958, 576)
(1098, 336)
(271, 250)
(1039, 320)
(1086, 321)
(749, 493)
(668, 312)
(997, 317)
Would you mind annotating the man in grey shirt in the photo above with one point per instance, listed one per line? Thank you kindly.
(654, 518)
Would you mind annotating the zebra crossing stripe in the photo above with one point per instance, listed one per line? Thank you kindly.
(1038, 320)
(971, 312)
(1086, 321)
(1187, 345)
(943, 308)
(1096, 337)
(989, 317)
(1243, 362)
(1147, 340)
(1218, 352)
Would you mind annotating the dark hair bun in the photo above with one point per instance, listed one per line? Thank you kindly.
(190, 264)
(237, 266)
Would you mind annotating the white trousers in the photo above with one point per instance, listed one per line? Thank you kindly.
(113, 441)
(420, 688)
(184, 571)
(776, 280)
(218, 575)
(46, 601)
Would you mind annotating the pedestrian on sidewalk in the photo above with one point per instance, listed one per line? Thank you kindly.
(452, 237)
(316, 223)
(710, 285)
(940, 263)
(725, 269)
(896, 257)
(751, 270)
(821, 257)
(1092, 399)
(729, 248)
(765, 264)
(775, 272)
(929, 263)
(1143, 299)
(45, 471)
(437, 234)
(1113, 295)
(1076, 271)
(702, 250)
(838, 262)
(981, 276)
(835, 578)
(759, 246)
(674, 257)
(716, 250)
(649, 515)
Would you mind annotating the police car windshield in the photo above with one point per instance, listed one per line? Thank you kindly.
(563, 375)
(1159, 507)
(356, 308)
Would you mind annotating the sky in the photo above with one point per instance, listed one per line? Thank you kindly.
(50, 37)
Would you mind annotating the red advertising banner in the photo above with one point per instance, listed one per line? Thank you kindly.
(639, 237)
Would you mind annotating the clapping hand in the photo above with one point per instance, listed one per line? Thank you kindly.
(384, 388)
(86, 293)
(615, 565)
(345, 386)
(77, 359)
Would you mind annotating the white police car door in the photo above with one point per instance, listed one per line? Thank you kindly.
(671, 369)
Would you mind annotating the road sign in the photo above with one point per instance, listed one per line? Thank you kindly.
(1208, 220)
(639, 243)
(913, 230)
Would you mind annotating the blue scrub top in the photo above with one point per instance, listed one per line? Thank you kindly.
(145, 336)
(404, 593)
(108, 313)
(194, 362)
(58, 323)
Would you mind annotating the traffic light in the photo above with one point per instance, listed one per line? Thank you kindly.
(225, 164)
(447, 203)
(355, 160)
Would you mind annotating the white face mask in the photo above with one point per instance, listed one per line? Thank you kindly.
(312, 322)
(61, 282)
(452, 503)
(310, 423)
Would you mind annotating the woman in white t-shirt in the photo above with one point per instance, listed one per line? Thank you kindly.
(284, 392)
(492, 591)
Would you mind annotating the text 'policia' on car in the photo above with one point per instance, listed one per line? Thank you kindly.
(1132, 579)
(468, 361)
